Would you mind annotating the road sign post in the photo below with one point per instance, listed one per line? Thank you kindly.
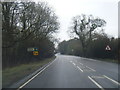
(108, 50)
(34, 50)
(30, 49)
(35, 53)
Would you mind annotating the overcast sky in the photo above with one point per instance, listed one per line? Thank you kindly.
(67, 9)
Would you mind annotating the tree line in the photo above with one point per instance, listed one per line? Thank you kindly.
(27, 25)
(89, 39)
(97, 49)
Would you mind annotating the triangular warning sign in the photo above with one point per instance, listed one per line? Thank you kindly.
(107, 47)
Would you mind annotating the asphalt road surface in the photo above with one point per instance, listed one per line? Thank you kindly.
(75, 72)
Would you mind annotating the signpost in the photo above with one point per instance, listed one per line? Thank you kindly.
(108, 48)
(30, 49)
(33, 50)
(35, 53)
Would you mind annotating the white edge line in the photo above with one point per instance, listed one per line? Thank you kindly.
(80, 69)
(34, 76)
(95, 83)
(111, 80)
(93, 60)
(90, 68)
(90, 59)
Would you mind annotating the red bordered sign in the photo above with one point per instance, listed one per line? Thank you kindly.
(108, 48)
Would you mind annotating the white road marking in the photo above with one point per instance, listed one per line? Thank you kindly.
(34, 76)
(98, 77)
(74, 64)
(71, 61)
(80, 69)
(90, 68)
(96, 83)
(81, 63)
(111, 80)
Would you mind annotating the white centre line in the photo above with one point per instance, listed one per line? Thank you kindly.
(111, 80)
(90, 68)
(34, 76)
(96, 83)
(81, 63)
(74, 64)
(80, 69)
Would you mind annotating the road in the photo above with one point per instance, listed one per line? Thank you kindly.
(75, 72)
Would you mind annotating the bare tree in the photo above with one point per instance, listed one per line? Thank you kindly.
(27, 24)
(22, 20)
(83, 26)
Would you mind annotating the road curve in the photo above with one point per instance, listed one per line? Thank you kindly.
(75, 72)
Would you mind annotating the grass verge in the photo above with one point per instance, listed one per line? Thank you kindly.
(109, 60)
(14, 74)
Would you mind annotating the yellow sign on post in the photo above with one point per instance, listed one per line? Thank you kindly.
(35, 53)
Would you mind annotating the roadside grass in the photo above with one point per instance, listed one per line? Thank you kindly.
(110, 60)
(14, 74)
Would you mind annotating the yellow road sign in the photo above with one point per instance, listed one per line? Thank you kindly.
(35, 53)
